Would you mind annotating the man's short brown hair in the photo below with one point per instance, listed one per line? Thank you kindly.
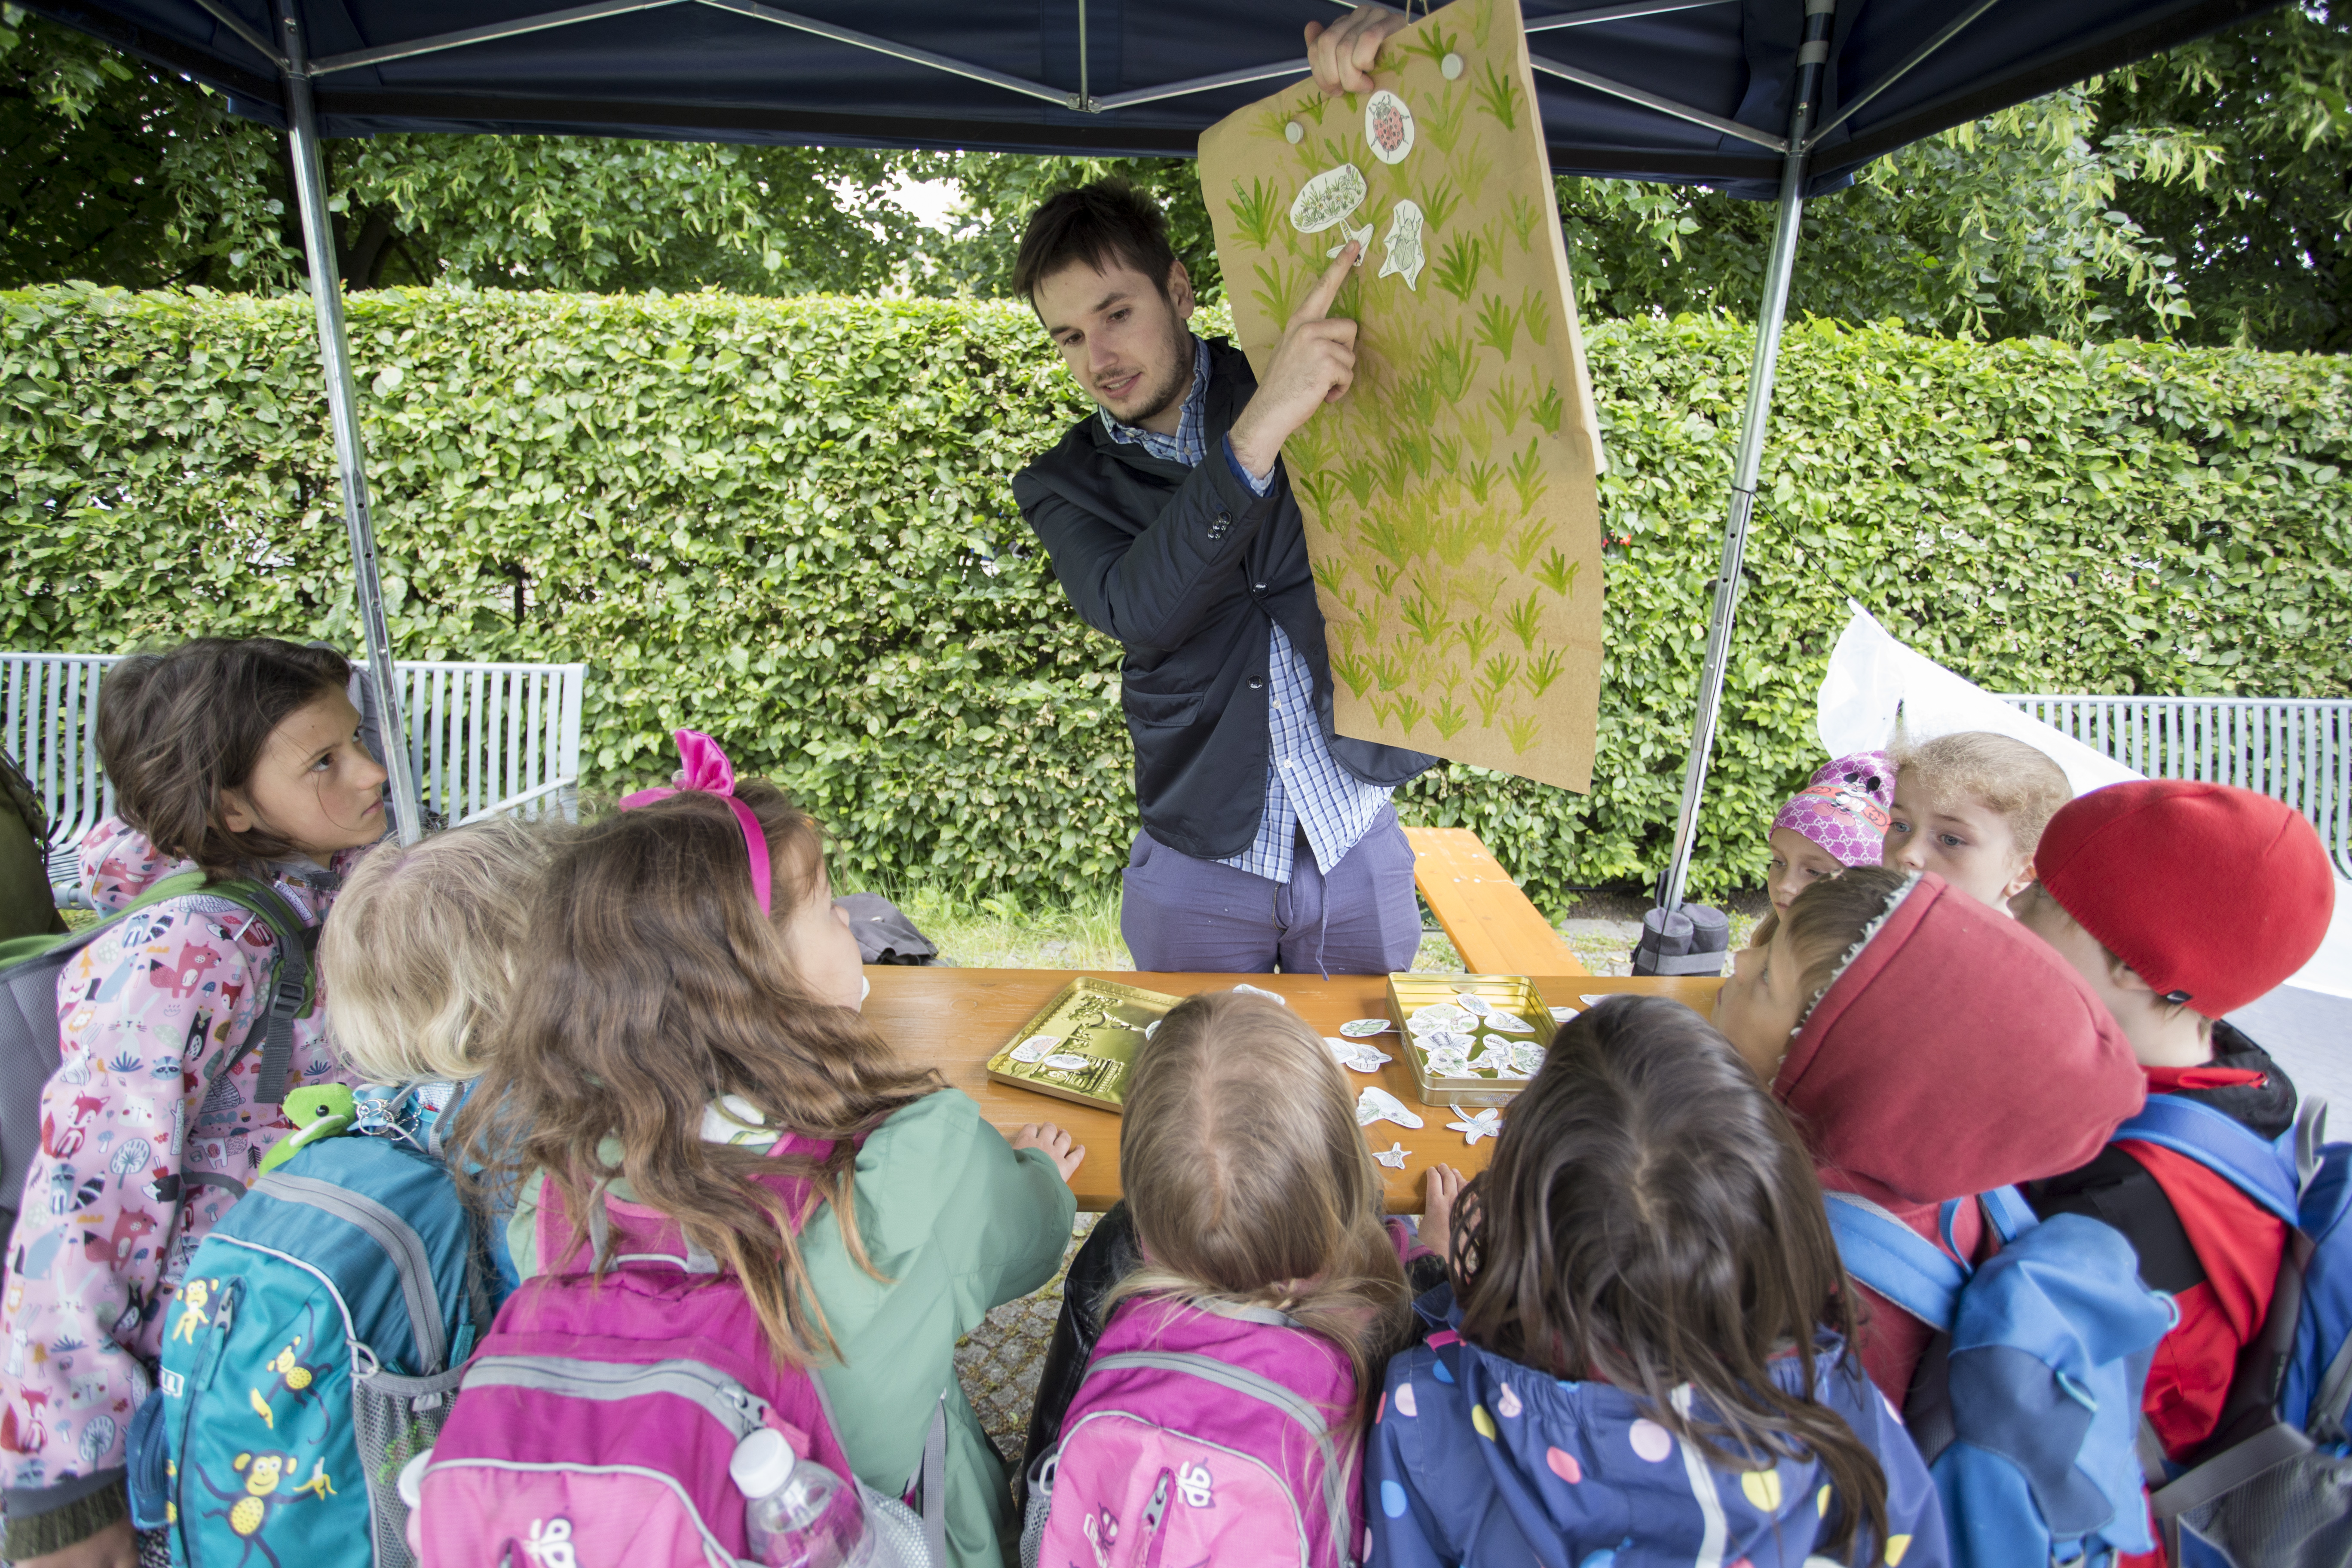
(1105, 223)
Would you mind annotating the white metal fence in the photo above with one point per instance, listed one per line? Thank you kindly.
(2296, 749)
(482, 738)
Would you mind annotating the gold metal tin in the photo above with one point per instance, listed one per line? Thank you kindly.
(1098, 1020)
(1481, 1086)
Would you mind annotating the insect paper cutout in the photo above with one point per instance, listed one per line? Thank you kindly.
(1378, 1105)
(1450, 496)
(1356, 1056)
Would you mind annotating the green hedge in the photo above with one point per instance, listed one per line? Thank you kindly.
(788, 522)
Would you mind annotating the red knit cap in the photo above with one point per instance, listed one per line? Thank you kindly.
(2213, 894)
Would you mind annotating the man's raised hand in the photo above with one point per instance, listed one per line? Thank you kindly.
(1342, 55)
(1312, 366)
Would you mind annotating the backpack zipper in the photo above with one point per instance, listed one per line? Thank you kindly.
(722, 1398)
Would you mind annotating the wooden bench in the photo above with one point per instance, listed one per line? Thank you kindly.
(1491, 923)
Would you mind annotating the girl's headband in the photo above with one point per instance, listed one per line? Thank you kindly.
(706, 770)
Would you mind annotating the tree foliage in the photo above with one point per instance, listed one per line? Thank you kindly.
(125, 175)
(788, 523)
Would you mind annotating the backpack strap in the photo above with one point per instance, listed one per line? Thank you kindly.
(292, 990)
(1894, 1260)
(2223, 1145)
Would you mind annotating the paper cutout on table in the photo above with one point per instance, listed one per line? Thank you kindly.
(1487, 1123)
(1327, 198)
(1405, 259)
(1392, 1156)
(1596, 1001)
(1356, 1055)
(1151, 1026)
(1471, 1002)
(1562, 1015)
(1378, 1105)
(1495, 1055)
(1388, 126)
(1527, 1060)
(1509, 1023)
(1065, 1062)
(1452, 516)
(1363, 239)
(1448, 1041)
(1449, 1063)
(1035, 1047)
(1272, 996)
(1435, 1017)
(1359, 1028)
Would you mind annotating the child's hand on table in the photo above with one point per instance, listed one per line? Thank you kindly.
(1055, 1143)
(1439, 1188)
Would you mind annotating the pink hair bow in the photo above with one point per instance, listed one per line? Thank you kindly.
(708, 771)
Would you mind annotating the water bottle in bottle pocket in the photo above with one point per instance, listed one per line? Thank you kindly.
(797, 1513)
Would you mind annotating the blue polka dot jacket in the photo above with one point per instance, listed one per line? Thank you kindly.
(1477, 1459)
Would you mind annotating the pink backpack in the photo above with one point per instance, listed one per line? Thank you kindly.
(1201, 1435)
(595, 1425)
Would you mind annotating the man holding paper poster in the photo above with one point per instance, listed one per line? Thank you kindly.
(1267, 840)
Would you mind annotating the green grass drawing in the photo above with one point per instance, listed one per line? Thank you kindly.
(1547, 411)
(1280, 286)
(1522, 733)
(1536, 312)
(1526, 541)
(1391, 668)
(1316, 486)
(1420, 401)
(1509, 404)
(1312, 109)
(1329, 575)
(1408, 709)
(1471, 169)
(1336, 152)
(1464, 530)
(1450, 718)
(1525, 215)
(1527, 620)
(1498, 326)
(1361, 478)
(1425, 614)
(1459, 264)
(1434, 45)
(1351, 668)
(1543, 670)
(1559, 573)
(1309, 444)
(1440, 118)
(1499, 95)
(1479, 479)
(1528, 477)
(1449, 366)
(1417, 448)
(1400, 542)
(1396, 469)
(1384, 578)
(1256, 211)
(1479, 437)
(1477, 634)
(1437, 205)
(1493, 685)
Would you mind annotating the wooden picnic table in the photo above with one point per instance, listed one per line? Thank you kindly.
(957, 1018)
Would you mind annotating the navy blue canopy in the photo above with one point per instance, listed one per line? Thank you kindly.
(1687, 90)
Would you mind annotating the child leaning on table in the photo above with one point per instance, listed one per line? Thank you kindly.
(687, 953)
(1971, 807)
(1646, 1352)
(240, 759)
(1251, 1238)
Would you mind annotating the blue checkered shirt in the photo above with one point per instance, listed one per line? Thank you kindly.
(1306, 787)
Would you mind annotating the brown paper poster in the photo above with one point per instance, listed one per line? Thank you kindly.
(1449, 497)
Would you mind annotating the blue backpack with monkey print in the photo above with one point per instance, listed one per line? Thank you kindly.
(312, 1351)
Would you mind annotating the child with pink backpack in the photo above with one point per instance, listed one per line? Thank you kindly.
(704, 1363)
(1221, 1415)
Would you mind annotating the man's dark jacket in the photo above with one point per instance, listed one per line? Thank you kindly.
(1189, 570)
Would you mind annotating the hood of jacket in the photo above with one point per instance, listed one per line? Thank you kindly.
(119, 864)
(1954, 1053)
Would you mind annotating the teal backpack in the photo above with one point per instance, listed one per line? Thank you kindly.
(313, 1350)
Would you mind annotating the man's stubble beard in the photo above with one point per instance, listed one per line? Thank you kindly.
(1171, 387)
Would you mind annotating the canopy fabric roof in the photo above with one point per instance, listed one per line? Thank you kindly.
(1685, 91)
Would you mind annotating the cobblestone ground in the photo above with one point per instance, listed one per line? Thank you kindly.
(998, 1363)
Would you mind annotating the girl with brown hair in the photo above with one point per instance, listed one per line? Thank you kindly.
(1259, 1282)
(687, 999)
(1644, 1355)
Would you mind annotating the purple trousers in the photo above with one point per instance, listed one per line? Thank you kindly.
(1179, 914)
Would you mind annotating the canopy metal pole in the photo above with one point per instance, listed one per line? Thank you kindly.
(1749, 463)
(343, 415)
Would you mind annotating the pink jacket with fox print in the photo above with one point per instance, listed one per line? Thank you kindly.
(138, 1161)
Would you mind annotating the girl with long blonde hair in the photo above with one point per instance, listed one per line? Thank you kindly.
(689, 998)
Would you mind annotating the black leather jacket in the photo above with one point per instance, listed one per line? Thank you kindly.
(1190, 570)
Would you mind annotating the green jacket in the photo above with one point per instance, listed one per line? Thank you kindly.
(955, 1222)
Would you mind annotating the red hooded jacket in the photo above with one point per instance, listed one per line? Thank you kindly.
(1955, 1053)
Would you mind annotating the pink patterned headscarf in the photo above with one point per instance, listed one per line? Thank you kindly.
(1844, 809)
(707, 770)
